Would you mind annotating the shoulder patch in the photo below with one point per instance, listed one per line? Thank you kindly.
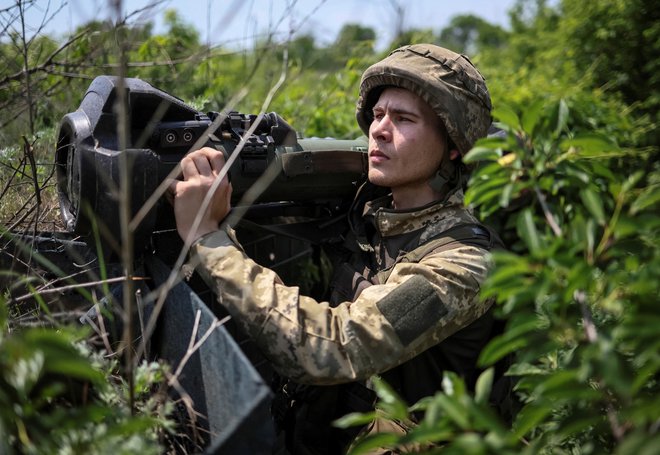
(412, 308)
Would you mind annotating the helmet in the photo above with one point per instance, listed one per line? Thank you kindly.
(447, 81)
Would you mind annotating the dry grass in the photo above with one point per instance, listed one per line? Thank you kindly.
(28, 196)
(29, 209)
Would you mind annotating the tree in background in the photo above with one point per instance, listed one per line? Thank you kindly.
(468, 34)
(175, 54)
(618, 42)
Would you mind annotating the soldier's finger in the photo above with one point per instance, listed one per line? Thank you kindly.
(188, 167)
(202, 164)
(217, 162)
(171, 190)
(215, 157)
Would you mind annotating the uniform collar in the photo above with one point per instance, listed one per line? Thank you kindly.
(373, 208)
(390, 222)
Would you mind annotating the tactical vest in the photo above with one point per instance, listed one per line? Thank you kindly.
(304, 413)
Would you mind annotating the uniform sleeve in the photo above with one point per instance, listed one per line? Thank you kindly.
(308, 341)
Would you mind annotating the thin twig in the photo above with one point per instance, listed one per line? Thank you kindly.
(29, 155)
(548, 214)
(193, 346)
(26, 65)
(188, 403)
(100, 329)
(17, 76)
(69, 287)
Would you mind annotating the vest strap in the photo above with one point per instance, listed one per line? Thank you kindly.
(462, 234)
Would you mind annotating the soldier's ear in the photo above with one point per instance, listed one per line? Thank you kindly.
(454, 154)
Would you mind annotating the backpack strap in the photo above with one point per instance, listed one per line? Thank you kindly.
(473, 234)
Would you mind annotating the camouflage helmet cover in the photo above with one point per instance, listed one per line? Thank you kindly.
(447, 81)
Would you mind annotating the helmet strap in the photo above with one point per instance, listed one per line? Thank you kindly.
(446, 178)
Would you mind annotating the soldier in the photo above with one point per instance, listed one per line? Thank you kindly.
(405, 305)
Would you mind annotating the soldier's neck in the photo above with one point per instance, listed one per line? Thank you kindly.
(410, 197)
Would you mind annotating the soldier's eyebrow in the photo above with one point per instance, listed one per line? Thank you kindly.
(395, 110)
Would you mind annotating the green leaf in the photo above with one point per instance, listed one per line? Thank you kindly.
(432, 414)
(483, 386)
(531, 116)
(558, 380)
(453, 409)
(527, 230)
(499, 347)
(590, 235)
(643, 375)
(574, 171)
(505, 196)
(61, 356)
(631, 181)
(529, 417)
(470, 443)
(389, 402)
(510, 273)
(639, 442)
(487, 191)
(526, 369)
(453, 384)
(593, 203)
(373, 442)
(486, 183)
(492, 142)
(591, 145)
(616, 373)
(649, 196)
(486, 419)
(577, 423)
(562, 117)
(480, 153)
(354, 419)
(507, 116)
(423, 433)
(77, 368)
(26, 371)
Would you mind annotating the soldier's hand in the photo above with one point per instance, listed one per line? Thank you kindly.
(199, 171)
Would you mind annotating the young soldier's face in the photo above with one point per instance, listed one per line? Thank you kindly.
(406, 143)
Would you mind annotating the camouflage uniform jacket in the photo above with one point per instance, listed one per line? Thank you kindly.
(382, 325)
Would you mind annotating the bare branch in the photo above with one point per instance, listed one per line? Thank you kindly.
(69, 287)
(550, 218)
(43, 66)
(26, 65)
(193, 345)
(29, 154)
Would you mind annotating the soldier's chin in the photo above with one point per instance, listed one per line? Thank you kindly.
(377, 178)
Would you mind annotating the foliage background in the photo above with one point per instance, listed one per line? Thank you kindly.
(574, 189)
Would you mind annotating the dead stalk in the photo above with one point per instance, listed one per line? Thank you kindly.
(61, 289)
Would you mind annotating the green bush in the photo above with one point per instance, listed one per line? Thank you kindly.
(578, 288)
(58, 395)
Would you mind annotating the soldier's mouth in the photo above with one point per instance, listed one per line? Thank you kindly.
(376, 156)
